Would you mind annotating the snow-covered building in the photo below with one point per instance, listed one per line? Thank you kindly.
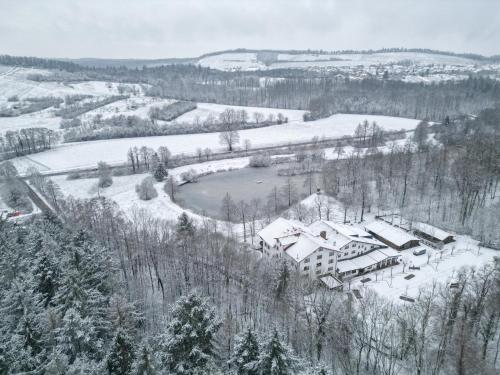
(433, 234)
(325, 248)
(279, 235)
(391, 236)
(350, 240)
(312, 256)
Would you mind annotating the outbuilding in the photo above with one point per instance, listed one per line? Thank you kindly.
(394, 237)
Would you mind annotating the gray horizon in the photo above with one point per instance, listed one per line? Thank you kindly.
(154, 29)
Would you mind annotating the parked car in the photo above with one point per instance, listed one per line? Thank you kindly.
(418, 252)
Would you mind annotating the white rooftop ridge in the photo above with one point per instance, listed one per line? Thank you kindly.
(344, 233)
(431, 230)
(281, 228)
(392, 234)
(306, 245)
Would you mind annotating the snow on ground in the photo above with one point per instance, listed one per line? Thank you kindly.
(232, 61)
(441, 266)
(122, 191)
(203, 110)
(86, 154)
(41, 119)
(14, 81)
(133, 106)
(249, 61)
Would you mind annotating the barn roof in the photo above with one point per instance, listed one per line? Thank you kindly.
(392, 234)
(432, 231)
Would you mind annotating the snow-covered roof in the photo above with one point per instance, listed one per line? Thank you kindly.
(342, 234)
(280, 228)
(348, 230)
(389, 252)
(392, 234)
(346, 266)
(432, 231)
(330, 281)
(306, 245)
(363, 261)
(288, 240)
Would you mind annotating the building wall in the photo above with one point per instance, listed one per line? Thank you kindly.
(321, 262)
(354, 249)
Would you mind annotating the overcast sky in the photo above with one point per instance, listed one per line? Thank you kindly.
(184, 28)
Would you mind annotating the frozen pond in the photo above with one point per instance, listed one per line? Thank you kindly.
(242, 184)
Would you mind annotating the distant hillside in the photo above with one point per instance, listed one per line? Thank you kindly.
(128, 63)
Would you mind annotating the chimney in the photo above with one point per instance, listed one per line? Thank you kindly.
(322, 234)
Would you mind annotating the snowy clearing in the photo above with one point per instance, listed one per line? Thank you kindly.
(134, 106)
(205, 109)
(87, 154)
(250, 60)
(14, 81)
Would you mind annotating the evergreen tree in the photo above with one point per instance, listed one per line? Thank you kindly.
(121, 357)
(185, 227)
(246, 354)
(160, 172)
(188, 343)
(276, 358)
(282, 279)
(145, 363)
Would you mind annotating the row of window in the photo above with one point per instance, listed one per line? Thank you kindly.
(306, 268)
(319, 256)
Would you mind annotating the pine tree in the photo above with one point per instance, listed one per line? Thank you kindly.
(276, 358)
(145, 363)
(188, 343)
(282, 280)
(185, 227)
(22, 328)
(160, 172)
(246, 354)
(121, 357)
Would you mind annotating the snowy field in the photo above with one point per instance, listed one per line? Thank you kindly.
(134, 106)
(87, 154)
(14, 81)
(40, 119)
(250, 61)
(122, 191)
(203, 110)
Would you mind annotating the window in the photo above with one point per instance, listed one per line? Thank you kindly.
(330, 268)
(353, 252)
(306, 260)
(306, 268)
(318, 271)
(330, 261)
(332, 253)
(318, 264)
(319, 256)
